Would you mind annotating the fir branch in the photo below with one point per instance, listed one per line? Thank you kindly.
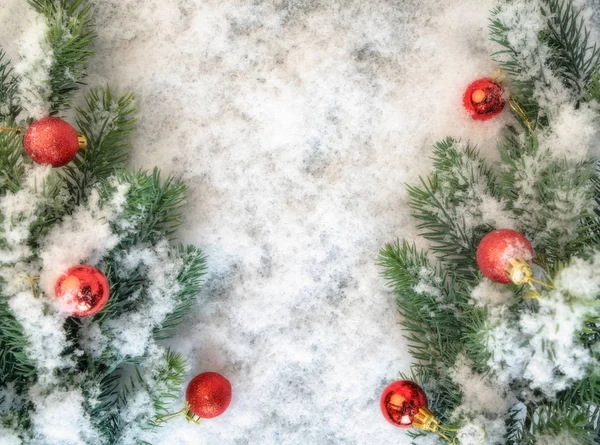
(162, 384)
(71, 37)
(153, 209)
(562, 50)
(168, 383)
(551, 198)
(15, 365)
(593, 90)
(443, 395)
(449, 205)
(522, 86)
(107, 124)
(574, 56)
(9, 107)
(190, 280)
(11, 160)
(429, 317)
(578, 422)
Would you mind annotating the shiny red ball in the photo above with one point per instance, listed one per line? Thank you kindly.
(484, 99)
(401, 401)
(51, 141)
(83, 289)
(209, 395)
(497, 248)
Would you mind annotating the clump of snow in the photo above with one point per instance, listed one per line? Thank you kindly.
(45, 333)
(429, 283)
(59, 418)
(509, 351)
(556, 323)
(480, 430)
(573, 134)
(19, 211)
(484, 407)
(37, 59)
(480, 394)
(131, 332)
(83, 236)
(136, 413)
(562, 438)
(9, 437)
(491, 295)
(581, 279)
(467, 187)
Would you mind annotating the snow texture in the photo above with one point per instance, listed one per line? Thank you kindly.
(36, 60)
(296, 125)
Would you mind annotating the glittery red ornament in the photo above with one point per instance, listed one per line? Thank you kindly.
(484, 99)
(51, 141)
(208, 395)
(83, 289)
(401, 401)
(498, 249)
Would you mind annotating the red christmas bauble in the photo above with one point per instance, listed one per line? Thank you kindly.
(51, 141)
(208, 395)
(401, 401)
(484, 99)
(83, 289)
(497, 249)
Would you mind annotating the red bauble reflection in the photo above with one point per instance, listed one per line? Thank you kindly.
(497, 249)
(208, 395)
(83, 289)
(484, 99)
(51, 141)
(401, 401)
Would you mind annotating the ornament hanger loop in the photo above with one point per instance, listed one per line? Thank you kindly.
(425, 420)
(18, 130)
(185, 412)
(516, 107)
(32, 281)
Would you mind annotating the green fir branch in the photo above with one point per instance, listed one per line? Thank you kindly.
(577, 422)
(522, 85)
(9, 106)
(16, 366)
(574, 55)
(190, 280)
(449, 205)
(154, 206)
(107, 124)
(163, 385)
(546, 194)
(593, 90)
(71, 37)
(12, 166)
(428, 314)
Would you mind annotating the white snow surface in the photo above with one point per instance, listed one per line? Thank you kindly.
(296, 124)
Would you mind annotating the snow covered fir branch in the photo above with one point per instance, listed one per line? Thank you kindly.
(103, 379)
(490, 359)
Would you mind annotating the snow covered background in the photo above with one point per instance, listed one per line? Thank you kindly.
(296, 124)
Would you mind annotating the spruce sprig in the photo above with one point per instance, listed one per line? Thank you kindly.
(107, 123)
(574, 55)
(71, 36)
(9, 106)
